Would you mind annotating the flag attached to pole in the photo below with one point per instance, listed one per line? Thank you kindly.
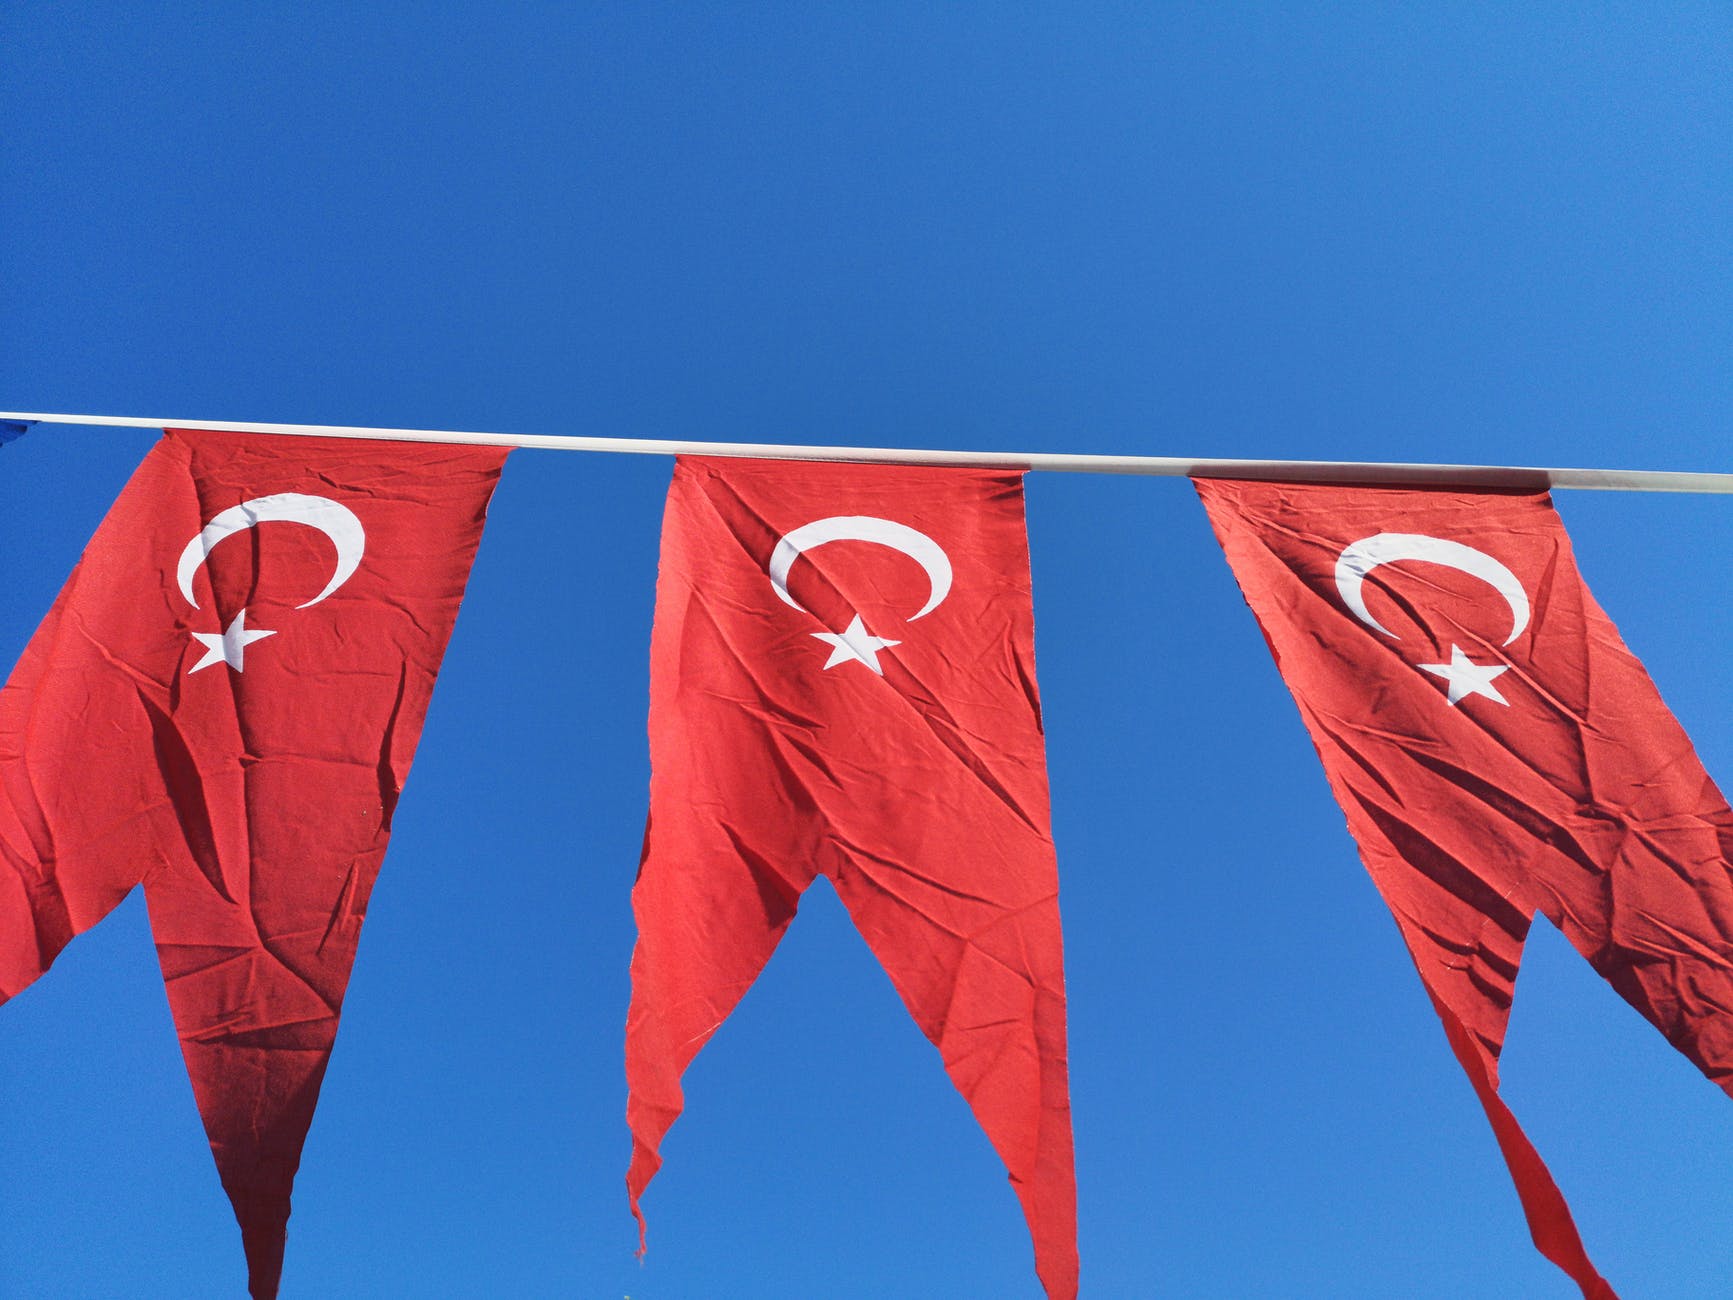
(843, 684)
(223, 704)
(1499, 753)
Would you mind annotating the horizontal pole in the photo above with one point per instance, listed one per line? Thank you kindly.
(1303, 471)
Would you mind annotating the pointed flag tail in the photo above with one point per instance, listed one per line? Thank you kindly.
(1498, 753)
(842, 684)
(152, 733)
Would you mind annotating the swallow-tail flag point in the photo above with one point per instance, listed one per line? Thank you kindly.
(229, 723)
(1498, 753)
(906, 766)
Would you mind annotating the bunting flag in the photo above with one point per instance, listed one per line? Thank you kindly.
(223, 704)
(1498, 753)
(843, 684)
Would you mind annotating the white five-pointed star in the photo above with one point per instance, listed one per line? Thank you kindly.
(1467, 677)
(855, 642)
(227, 647)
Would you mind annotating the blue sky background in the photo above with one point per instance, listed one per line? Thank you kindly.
(1474, 233)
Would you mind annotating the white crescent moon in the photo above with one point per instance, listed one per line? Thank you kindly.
(863, 528)
(337, 522)
(1358, 560)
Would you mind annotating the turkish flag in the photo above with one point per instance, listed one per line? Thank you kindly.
(223, 704)
(842, 683)
(1498, 752)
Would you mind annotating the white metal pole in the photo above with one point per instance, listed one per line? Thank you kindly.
(1306, 471)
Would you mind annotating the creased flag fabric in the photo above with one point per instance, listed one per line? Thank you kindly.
(843, 684)
(1499, 753)
(223, 704)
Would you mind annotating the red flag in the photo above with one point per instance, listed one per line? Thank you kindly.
(843, 684)
(1498, 752)
(223, 704)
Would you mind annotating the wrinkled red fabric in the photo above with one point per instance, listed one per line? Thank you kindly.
(252, 800)
(1578, 797)
(918, 790)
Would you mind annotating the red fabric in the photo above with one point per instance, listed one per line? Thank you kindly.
(252, 799)
(1578, 796)
(921, 793)
(1549, 1219)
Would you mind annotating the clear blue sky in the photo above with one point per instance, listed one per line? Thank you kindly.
(1475, 233)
